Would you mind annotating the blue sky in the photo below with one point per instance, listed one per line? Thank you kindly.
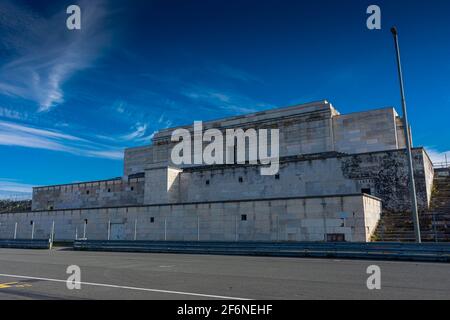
(71, 101)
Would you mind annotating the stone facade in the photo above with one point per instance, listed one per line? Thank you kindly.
(305, 129)
(322, 153)
(114, 192)
(383, 174)
(354, 217)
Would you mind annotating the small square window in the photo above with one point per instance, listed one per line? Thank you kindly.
(132, 188)
(335, 237)
(244, 217)
(87, 192)
(152, 220)
(277, 176)
(241, 179)
(109, 190)
(207, 182)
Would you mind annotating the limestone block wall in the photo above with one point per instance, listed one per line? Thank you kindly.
(304, 129)
(161, 185)
(320, 176)
(382, 174)
(136, 158)
(107, 193)
(290, 219)
(428, 174)
(367, 131)
(386, 174)
(373, 208)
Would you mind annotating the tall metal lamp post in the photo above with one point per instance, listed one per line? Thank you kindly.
(415, 214)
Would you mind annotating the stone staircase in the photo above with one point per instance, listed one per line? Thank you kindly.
(434, 223)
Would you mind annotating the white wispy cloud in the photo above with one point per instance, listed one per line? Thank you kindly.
(226, 101)
(19, 135)
(12, 114)
(232, 73)
(164, 122)
(44, 53)
(120, 106)
(138, 133)
(12, 189)
(437, 156)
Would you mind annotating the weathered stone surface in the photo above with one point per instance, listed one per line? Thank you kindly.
(322, 153)
(353, 216)
(108, 193)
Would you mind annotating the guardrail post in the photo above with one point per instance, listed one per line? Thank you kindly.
(15, 231)
(52, 236)
(165, 229)
(198, 228)
(135, 229)
(278, 228)
(76, 233)
(32, 230)
(236, 236)
(109, 229)
(84, 228)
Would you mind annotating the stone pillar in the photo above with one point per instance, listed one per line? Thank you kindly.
(162, 185)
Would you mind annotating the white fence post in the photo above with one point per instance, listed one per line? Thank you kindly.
(32, 230)
(278, 228)
(84, 229)
(52, 236)
(236, 235)
(198, 228)
(165, 229)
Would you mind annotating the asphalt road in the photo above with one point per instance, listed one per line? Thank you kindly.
(36, 274)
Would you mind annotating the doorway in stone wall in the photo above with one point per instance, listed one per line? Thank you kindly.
(117, 231)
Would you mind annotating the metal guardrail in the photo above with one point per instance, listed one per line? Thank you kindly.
(441, 165)
(376, 251)
(25, 244)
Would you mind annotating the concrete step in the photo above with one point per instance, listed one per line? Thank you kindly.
(434, 223)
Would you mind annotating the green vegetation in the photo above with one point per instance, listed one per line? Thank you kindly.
(11, 206)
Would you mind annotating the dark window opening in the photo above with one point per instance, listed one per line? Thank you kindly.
(109, 190)
(241, 179)
(335, 237)
(244, 217)
(152, 220)
(366, 191)
(136, 175)
(87, 192)
(277, 177)
(132, 188)
(85, 221)
(207, 182)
